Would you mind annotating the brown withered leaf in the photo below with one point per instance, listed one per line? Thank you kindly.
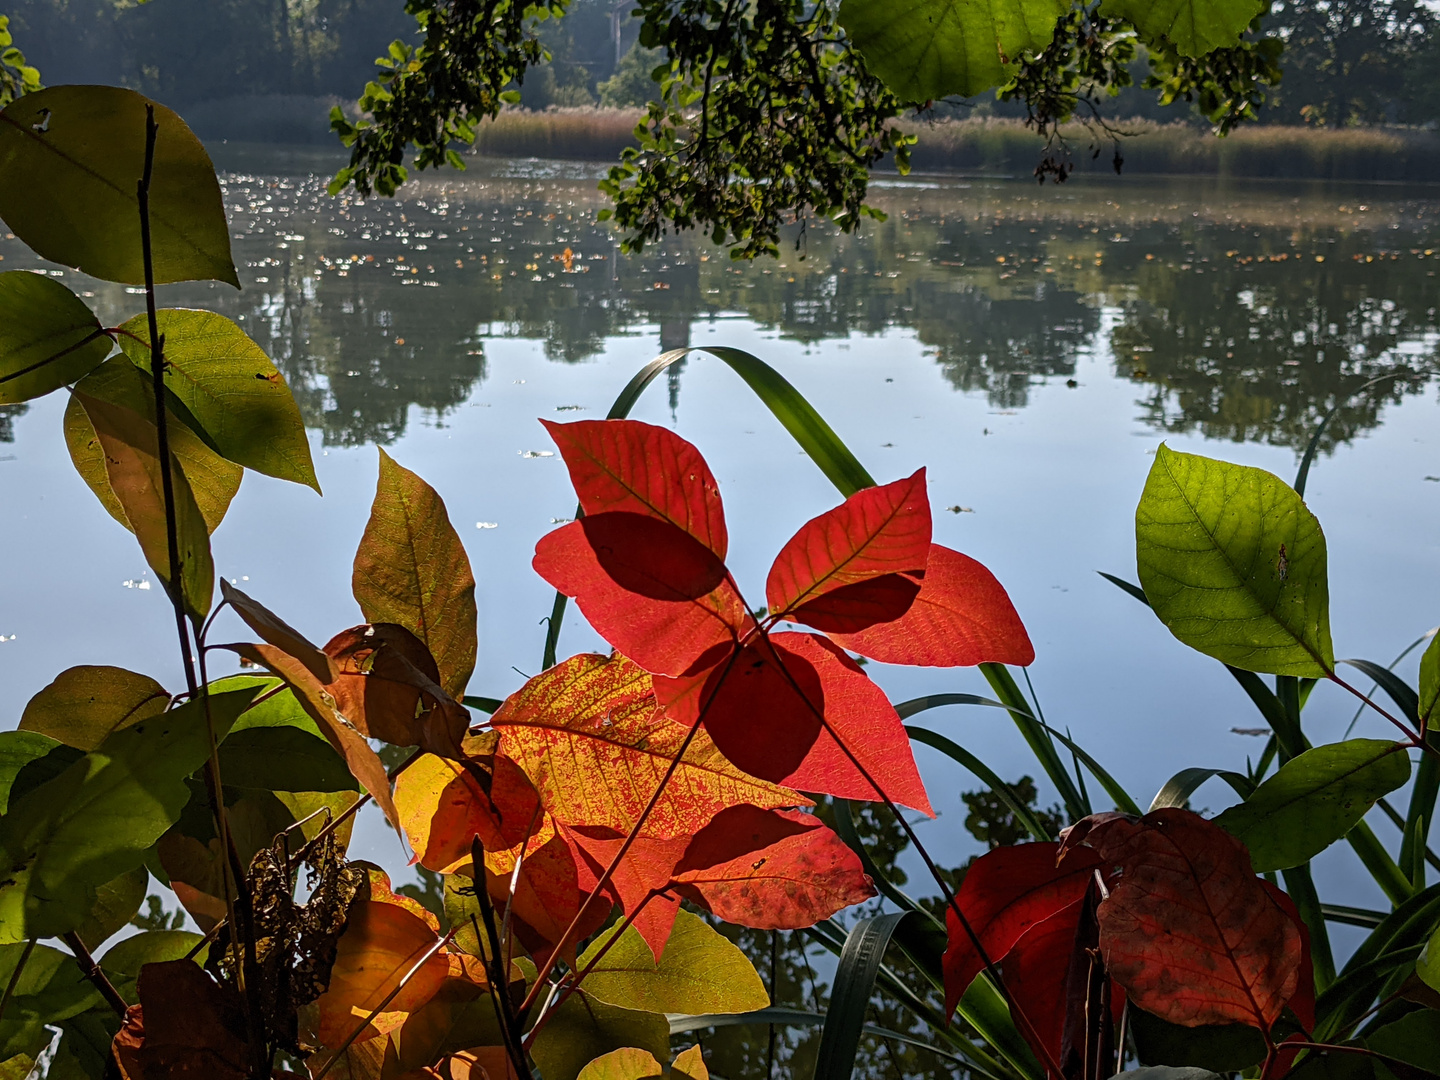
(186, 1027)
(387, 685)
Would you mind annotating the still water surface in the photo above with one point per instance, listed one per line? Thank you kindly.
(1031, 346)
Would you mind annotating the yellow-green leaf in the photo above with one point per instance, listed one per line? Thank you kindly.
(583, 1028)
(234, 392)
(132, 462)
(70, 159)
(1194, 27)
(116, 903)
(627, 1063)
(412, 570)
(87, 704)
(1234, 563)
(213, 480)
(699, 972)
(1429, 708)
(48, 337)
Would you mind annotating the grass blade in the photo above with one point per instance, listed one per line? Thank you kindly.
(985, 774)
(850, 994)
(1037, 735)
(1178, 789)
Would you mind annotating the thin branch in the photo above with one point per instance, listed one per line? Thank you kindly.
(15, 976)
(95, 975)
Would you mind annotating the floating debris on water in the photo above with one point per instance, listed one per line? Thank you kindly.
(487, 524)
(957, 509)
(537, 453)
(569, 408)
(135, 583)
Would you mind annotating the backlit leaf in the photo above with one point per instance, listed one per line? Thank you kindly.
(1194, 27)
(85, 705)
(765, 714)
(584, 1028)
(364, 764)
(876, 532)
(279, 633)
(643, 469)
(1428, 964)
(411, 569)
(699, 972)
(1003, 895)
(1430, 684)
(961, 617)
(627, 1063)
(70, 157)
(589, 735)
(123, 960)
(1314, 800)
(1234, 563)
(1186, 896)
(132, 463)
(640, 879)
(115, 904)
(48, 337)
(445, 803)
(927, 49)
(231, 388)
(187, 1024)
(49, 988)
(1035, 972)
(649, 588)
(283, 759)
(27, 760)
(213, 480)
(771, 869)
(1413, 1039)
(135, 783)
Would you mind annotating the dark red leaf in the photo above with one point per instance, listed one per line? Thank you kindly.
(650, 589)
(1188, 929)
(771, 869)
(1035, 971)
(642, 469)
(765, 716)
(1004, 894)
(852, 608)
(877, 531)
(1303, 1003)
(961, 617)
(186, 1027)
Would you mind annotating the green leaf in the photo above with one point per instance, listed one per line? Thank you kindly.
(50, 988)
(84, 1049)
(1314, 800)
(1222, 1048)
(48, 337)
(234, 392)
(1428, 964)
(1430, 684)
(583, 1028)
(132, 463)
(213, 480)
(86, 705)
(95, 820)
(283, 759)
(27, 760)
(116, 903)
(123, 961)
(412, 570)
(74, 147)
(1194, 27)
(1233, 563)
(926, 49)
(699, 971)
(1414, 1039)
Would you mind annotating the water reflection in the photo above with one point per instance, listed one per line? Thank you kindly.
(1244, 312)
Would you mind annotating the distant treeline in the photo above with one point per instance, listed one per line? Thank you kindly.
(270, 69)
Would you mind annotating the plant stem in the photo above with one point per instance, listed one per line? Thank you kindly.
(15, 976)
(95, 975)
(498, 971)
(1416, 740)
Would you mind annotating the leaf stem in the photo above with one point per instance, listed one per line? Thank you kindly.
(1415, 739)
(15, 977)
(95, 975)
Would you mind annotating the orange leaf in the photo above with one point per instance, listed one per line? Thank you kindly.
(789, 712)
(643, 469)
(877, 531)
(444, 804)
(276, 631)
(589, 735)
(1188, 929)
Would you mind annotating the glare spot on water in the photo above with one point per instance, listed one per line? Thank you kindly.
(136, 583)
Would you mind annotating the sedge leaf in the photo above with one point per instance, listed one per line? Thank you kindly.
(235, 393)
(70, 157)
(1314, 800)
(96, 819)
(926, 49)
(699, 972)
(412, 570)
(48, 337)
(1234, 564)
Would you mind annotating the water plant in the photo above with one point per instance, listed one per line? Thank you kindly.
(594, 827)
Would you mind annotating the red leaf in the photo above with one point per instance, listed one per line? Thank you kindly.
(638, 880)
(547, 893)
(1303, 1003)
(771, 869)
(649, 588)
(1188, 929)
(1035, 972)
(1003, 895)
(765, 716)
(853, 608)
(877, 531)
(962, 617)
(642, 469)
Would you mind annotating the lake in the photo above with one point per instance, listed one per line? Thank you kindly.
(1030, 345)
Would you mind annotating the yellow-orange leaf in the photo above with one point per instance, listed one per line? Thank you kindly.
(591, 738)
